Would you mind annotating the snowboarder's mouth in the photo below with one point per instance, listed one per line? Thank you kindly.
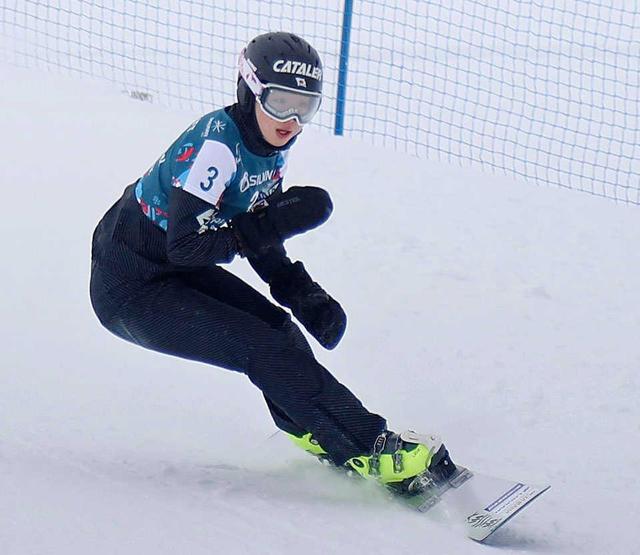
(283, 133)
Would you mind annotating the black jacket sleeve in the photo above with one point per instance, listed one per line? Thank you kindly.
(189, 242)
(270, 264)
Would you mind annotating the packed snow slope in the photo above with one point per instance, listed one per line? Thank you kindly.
(502, 315)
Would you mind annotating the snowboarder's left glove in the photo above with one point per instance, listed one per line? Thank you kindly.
(315, 309)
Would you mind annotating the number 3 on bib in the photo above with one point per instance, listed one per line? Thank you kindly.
(213, 173)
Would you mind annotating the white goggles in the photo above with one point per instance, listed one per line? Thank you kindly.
(280, 102)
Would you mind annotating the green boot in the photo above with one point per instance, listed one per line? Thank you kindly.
(397, 459)
(308, 443)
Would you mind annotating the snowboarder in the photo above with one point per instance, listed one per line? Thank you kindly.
(217, 192)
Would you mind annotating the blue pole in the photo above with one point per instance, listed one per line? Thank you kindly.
(344, 63)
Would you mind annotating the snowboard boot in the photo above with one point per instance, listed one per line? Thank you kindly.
(400, 460)
(310, 445)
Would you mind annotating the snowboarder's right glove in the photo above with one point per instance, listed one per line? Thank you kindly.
(255, 233)
(314, 308)
(299, 209)
(296, 211)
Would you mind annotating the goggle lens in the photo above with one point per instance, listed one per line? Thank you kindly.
(284, 104)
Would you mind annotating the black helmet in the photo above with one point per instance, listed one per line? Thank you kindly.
(283, 72)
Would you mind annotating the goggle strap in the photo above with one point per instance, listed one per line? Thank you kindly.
(249, 76)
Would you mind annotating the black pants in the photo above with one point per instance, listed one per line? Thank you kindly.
(210, 315)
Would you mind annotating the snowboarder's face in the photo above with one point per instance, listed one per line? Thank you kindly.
(276, 133)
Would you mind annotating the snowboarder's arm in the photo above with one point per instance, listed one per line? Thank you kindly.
(189, 241)
(193, 238)
(292, 286)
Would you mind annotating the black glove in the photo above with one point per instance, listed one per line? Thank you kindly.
(255, 233)
(317, 311)
(297, 210)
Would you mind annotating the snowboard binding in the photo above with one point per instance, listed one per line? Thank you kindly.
(406, 463)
